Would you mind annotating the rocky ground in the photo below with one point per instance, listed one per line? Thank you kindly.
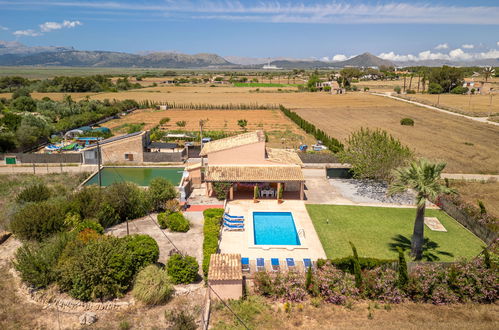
(369, 191)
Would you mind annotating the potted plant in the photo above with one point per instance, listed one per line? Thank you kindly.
(279, 195)
(256, 192)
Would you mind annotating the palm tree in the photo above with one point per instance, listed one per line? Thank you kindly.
(487, 72)
(424, 178)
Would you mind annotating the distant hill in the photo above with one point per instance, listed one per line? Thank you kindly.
(15, 53)
(364, 60)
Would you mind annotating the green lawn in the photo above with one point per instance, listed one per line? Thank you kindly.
(375, 231)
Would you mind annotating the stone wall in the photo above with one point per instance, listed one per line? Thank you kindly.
(317, 158)
(164, 157)
(30, 158)
(114, 152)
(484, 233)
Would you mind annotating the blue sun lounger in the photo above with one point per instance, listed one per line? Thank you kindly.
(290, 262)
(233, 221)
(245, 265)
(233, 216)
(307, 263)
(229, 227)
(275, 264)
(260, 264)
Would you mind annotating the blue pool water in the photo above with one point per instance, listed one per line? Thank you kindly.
(275, 228)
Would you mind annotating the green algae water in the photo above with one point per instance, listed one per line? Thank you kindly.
(142, 176)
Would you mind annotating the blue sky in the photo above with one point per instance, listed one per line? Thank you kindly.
(454, 29)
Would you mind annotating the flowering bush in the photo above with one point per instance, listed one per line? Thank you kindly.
(462, 282)
(382, 284)
(334, 285)
(288, 286)
(470, 210)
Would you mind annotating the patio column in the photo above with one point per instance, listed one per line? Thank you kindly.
(231, 192)
(279, 189)
(302, 192)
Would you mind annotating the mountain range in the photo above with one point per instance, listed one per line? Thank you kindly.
(16, 54)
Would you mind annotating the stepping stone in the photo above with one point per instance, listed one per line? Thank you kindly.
(434, 224)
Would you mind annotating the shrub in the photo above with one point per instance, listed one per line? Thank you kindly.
(334, 285)
(89, 224)
(162, 220)
(403, 276)
(104, 268)
(122, 201)
(410, 91)
(289, 286)
(407, 122)
(356, 266)
(221, 189)
(382, 284)
(211, 230)
(180, 320)
(182, 269)
(459, 90)
(172, 205)
(346, 263)
(152, 286)
(34, 193)
(36, 262)
(435, 88)
(160, 190)
(374, 154)
(164, 120)
(397, 89)
(36, 221)
(177, 222)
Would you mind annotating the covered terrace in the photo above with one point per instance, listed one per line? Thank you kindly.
(269, 179)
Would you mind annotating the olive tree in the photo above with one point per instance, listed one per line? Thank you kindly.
(374, 154)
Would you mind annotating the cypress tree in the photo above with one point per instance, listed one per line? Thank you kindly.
(402, 270)
(356, 266)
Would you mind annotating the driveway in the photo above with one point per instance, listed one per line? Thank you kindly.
(318, 190)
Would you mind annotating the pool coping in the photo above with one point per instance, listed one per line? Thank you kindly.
(251, 237)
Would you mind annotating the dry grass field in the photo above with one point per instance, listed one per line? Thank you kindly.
(276, 125)
(486, 191)
(267, 314)
(388, 85)
(476, 105)
(466, 146)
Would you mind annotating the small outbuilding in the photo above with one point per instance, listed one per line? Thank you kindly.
(225, 276)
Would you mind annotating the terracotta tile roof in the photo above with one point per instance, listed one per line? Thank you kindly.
(283, 156)
(254, 173)
(225, 267)
(233, 141)
(193, 166)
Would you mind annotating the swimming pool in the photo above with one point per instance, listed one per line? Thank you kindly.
(274, 228)
(142, 176)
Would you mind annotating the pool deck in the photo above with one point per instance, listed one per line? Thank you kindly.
(242, 242)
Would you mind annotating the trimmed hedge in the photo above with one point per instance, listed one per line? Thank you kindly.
(211, 230)
(407, 122)
(346, 264)
(177, 222)
(182, 269)
(333, 144)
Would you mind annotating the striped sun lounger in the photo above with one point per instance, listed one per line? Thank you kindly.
(260, 264)
(229, 227)
(307, 263)
(233, 216)
(233, 221)
(245, 264)
(275, 264)
(290, 262)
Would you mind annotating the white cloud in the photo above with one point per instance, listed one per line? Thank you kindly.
(442, 46)
(339, 57)
(498, 43)
(27, 33)
(51, 26)
(325, 59)
(3, 28)
(454, 55)
(468, 46)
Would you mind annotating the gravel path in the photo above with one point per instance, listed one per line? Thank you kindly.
(367, 191)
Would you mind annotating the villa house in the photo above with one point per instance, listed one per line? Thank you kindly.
(246, 163)
(480, 87)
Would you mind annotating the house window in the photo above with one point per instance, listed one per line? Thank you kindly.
(129, 157)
